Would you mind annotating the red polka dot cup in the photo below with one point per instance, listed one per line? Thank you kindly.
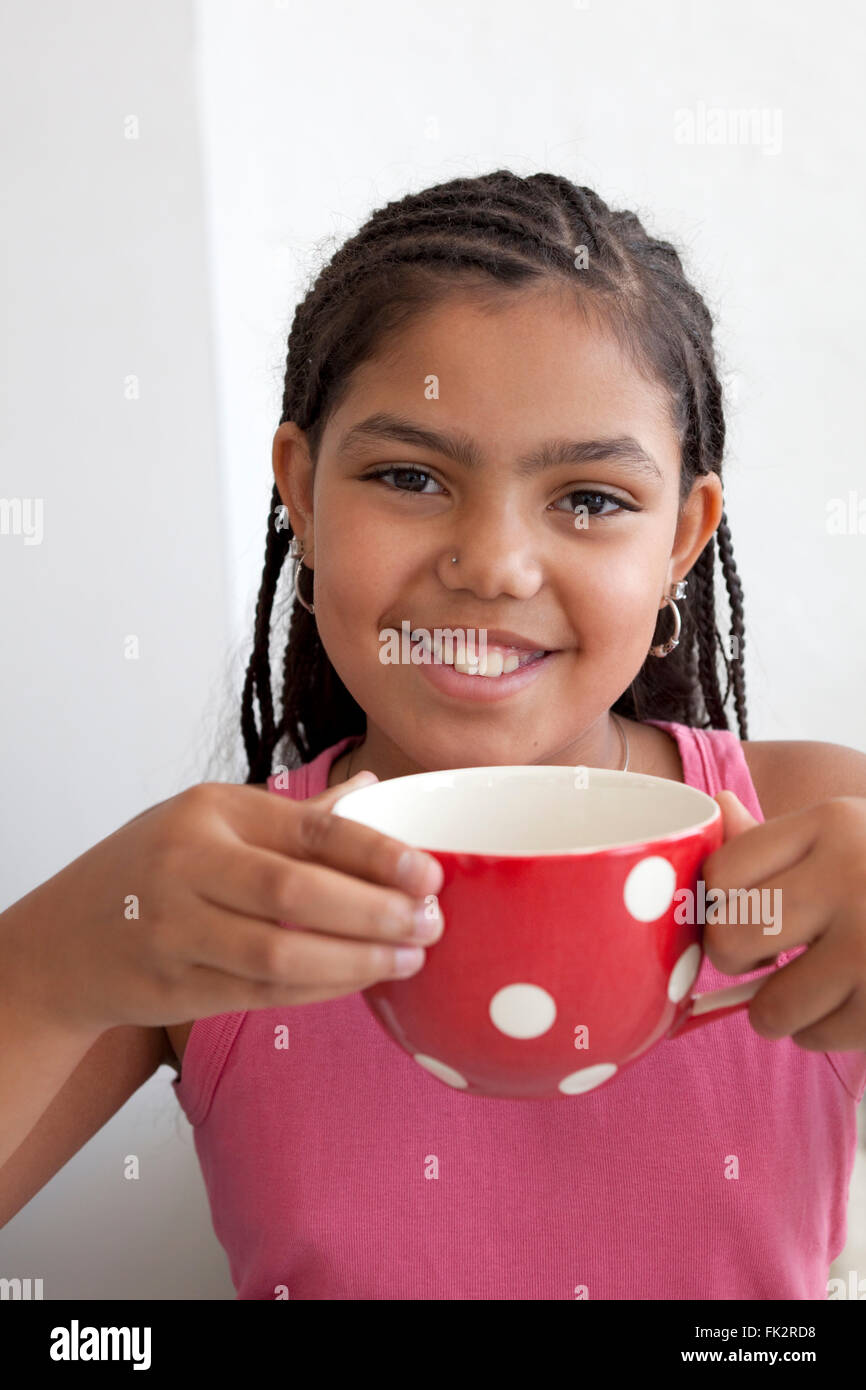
(566, 952)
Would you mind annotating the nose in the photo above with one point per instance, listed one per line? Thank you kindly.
(496, 554)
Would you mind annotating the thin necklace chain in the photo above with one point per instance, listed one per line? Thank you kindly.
(619, 724)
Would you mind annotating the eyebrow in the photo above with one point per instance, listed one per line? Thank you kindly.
(463, 450)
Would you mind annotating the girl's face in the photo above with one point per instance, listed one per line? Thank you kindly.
(526, 378)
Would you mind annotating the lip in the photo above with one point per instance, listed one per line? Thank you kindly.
(483, 688)
(501, 637)
(497, 637)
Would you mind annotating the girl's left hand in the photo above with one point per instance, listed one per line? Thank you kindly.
(813, 862)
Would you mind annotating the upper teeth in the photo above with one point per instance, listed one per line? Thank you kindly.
(490, 663)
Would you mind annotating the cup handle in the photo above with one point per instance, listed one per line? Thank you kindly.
(706, 1008)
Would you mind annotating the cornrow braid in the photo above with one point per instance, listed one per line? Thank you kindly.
(733, 658)
(258, 675)
(498, 232)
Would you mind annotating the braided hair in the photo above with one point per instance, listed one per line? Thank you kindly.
(496, 232)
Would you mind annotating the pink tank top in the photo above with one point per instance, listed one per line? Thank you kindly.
(337, 1168)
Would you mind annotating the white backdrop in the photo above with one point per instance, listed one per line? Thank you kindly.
(172, 176)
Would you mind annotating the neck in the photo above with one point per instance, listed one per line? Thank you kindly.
(598, 746)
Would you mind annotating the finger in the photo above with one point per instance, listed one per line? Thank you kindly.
(843, 1030)
(308, 830)
(735, 817)
(222, 993)
(254, 951)
(212, 991)
(332, 794)
(275, 888)
(796, 908)
(804, 992)
(763, 851)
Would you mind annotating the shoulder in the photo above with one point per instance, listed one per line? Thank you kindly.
(791, 774)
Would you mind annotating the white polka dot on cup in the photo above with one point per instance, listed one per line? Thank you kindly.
(587, 1078)
(522, 1010)
(684, 973)
(649, 888)
(440, 1069)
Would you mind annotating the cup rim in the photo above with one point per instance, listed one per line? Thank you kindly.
(534, 770)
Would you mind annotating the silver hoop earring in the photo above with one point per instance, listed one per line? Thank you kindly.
(665, 648)
(296, 550)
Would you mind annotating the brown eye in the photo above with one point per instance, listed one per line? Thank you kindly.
(404, 474)
(594, 501)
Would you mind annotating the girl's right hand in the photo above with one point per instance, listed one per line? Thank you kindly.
(175, 915)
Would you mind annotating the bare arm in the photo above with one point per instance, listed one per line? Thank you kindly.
(58, 1089)
(60, 1080)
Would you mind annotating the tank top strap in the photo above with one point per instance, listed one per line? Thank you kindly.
(312, 778)
(713, 761)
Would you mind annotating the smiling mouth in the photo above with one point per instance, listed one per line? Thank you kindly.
(494, 662)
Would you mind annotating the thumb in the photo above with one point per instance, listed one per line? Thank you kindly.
(331, 795)
(735, 817)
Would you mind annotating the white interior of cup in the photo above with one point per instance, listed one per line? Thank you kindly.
(528, 809)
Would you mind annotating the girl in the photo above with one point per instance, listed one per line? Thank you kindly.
(501, 412)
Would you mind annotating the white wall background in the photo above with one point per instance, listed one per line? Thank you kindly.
(268, 131)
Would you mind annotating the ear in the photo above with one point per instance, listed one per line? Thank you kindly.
(293, 474)
(699, 516)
